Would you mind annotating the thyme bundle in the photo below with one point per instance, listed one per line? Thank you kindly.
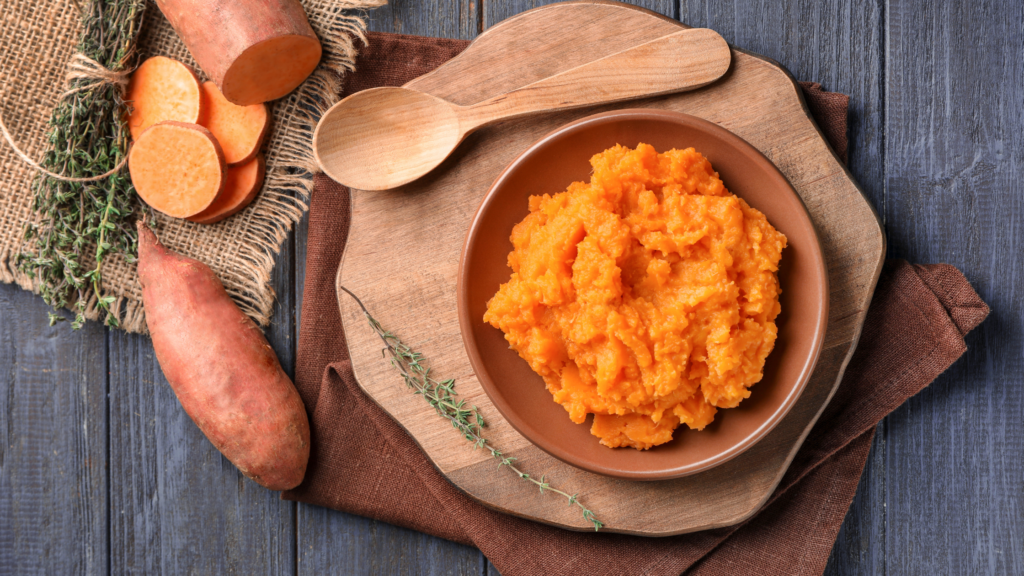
(442, 397)
(81, 222)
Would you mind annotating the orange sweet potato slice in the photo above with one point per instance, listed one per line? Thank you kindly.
(243, 183)
(162, 89)
(239, 129)
(177, 168)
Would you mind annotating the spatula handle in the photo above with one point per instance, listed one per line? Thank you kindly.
(681, 61)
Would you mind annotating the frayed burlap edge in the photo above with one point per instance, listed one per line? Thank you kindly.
(241, 250)
(37, 40)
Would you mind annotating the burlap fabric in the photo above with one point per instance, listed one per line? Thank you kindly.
(37, 39)
(363, 462)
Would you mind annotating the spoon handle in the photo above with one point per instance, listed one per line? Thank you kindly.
(681, 61)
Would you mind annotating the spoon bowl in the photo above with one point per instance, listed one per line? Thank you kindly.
(403, 135)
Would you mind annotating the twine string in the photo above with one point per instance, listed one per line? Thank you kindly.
(81, 67)
(85, 68)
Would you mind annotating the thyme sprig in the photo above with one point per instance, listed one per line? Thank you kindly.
(442, 397)
(88, 136)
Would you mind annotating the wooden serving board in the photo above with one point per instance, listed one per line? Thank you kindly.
(403, 253)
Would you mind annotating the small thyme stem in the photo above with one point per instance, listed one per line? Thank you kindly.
(442, 397)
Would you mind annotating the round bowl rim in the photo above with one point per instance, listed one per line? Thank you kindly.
(520, 424)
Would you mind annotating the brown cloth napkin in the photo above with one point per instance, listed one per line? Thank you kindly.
(364, 463)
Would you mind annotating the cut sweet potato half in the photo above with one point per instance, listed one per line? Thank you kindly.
(162, 89)
(177, 168)
(239, 129)
(243, 183)
(254, 51)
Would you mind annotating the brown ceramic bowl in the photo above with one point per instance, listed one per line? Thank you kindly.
(549, 166)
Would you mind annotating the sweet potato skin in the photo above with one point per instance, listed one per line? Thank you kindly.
(221, 368)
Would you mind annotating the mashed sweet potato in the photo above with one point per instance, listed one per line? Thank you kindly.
(646, 297)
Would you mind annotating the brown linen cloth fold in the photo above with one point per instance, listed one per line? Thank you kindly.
(364, 463)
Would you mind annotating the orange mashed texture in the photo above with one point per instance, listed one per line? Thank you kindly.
(646, 297)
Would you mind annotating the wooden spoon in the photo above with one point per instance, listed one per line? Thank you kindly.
(385, 137)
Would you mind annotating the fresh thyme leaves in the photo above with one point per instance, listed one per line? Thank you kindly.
(88, 137)
(442, 397)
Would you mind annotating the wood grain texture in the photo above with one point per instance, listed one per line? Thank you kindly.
(177, 505)
(53, 442)
(497, 10)
(777, 124)
(836, 43)
(440, 18)
(840, 44)
(364, 546)
(954, 166)
(858, 548)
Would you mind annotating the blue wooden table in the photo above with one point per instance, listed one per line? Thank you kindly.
(101, 471)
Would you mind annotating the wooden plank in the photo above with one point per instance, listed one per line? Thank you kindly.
(332, 542)
(497, 10)
(860, 545)
(177, 505)
(282, 333)
(838, 44)
(339, 543)
(53, 442)
(955, 193)
(440, 18)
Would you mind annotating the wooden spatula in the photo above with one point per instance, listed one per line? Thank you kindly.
(385, 137)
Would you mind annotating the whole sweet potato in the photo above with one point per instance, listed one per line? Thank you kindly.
(222, 369)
